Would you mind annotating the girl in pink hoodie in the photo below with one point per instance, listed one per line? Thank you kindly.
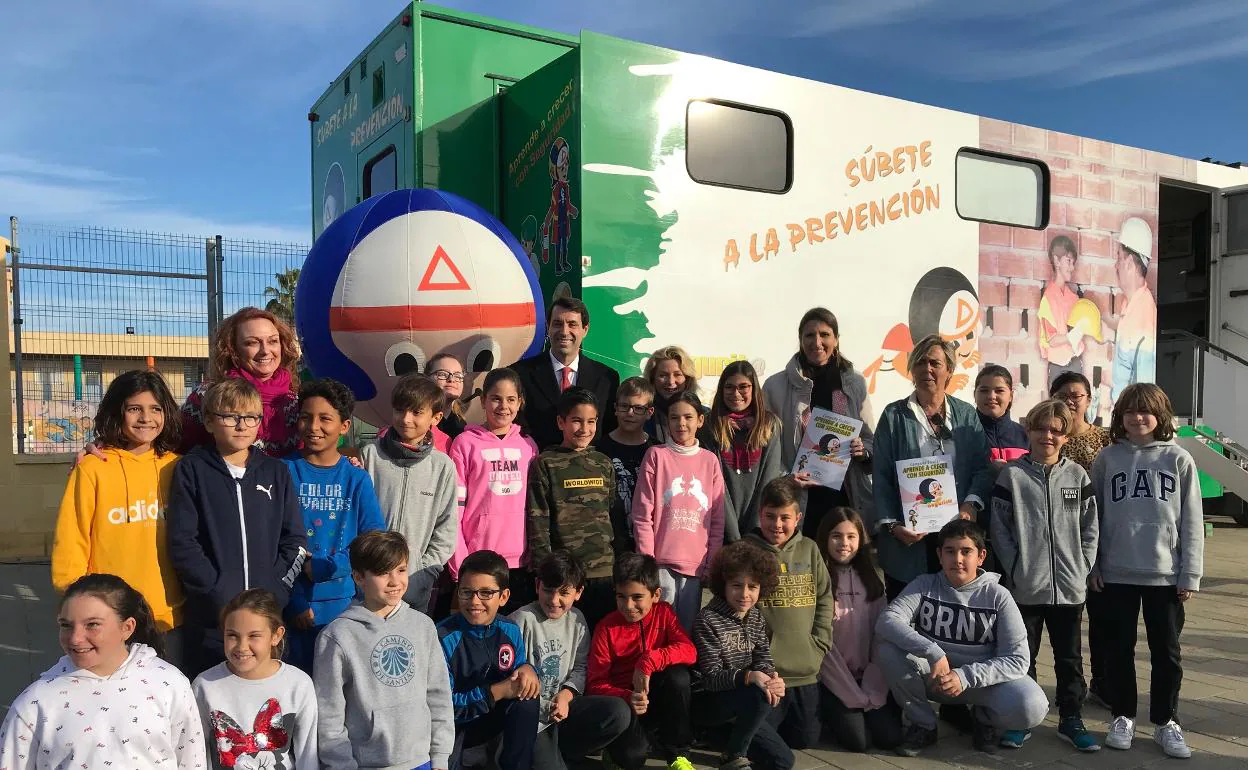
(856, 702)
(492, 463)
(678, 508)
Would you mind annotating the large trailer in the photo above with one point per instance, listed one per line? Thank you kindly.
(699, 202)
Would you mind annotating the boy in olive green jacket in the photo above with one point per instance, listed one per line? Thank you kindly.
(799, 612)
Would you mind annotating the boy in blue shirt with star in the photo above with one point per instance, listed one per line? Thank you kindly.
(494, 690)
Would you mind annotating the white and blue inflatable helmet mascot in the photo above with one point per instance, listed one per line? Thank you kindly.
(408, 275)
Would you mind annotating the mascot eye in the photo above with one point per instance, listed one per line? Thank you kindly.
(404, 358)
(483, 355)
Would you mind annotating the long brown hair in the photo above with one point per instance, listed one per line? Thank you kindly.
(764, 423)
(225, 347)
(110, 418)
(123, 599)
(1143, 397)
(863, 561)
(825, 316)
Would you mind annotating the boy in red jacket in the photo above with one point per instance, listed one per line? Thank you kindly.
(641, 654)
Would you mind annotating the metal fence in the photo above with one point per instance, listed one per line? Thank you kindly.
(89, 303)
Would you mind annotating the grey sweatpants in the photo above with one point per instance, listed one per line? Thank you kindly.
(684, 593)
(1016, 705)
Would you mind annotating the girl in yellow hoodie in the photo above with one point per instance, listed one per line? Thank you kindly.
(112, 517)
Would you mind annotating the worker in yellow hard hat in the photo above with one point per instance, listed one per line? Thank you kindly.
(1061, 338)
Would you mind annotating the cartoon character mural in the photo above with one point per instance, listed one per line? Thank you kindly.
(557, 227)
(944, 302)
(528, 241)
(408, 275)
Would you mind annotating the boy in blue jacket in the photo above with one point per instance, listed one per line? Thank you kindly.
(338, 503)
(233, 521)
(494, 690)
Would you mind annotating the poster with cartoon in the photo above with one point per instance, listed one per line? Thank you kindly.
(824, 452)
(929, 497)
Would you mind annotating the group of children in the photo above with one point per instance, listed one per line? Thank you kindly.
(299, 594)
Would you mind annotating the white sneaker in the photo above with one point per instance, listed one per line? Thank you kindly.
(1121, 733)
(1170, 738)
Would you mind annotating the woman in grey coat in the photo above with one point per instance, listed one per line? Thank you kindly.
(818, 375)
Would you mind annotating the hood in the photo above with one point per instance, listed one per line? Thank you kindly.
(793, 374)
(140, 656)
(1036, 469)
(358, 613)
(1152, 446)
(212, 457)
(983, 578)
(791, 544)
(482, 433)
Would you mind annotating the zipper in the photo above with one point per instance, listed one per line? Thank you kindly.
(242, 528)
(1048, 502)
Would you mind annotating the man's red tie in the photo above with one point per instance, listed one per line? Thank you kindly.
(565, 378)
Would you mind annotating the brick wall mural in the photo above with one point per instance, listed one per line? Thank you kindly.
(1072, 297)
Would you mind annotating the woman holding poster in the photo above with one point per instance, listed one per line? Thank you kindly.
(818, 376)
(931, 461)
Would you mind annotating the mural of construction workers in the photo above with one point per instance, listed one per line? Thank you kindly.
(1135, 338)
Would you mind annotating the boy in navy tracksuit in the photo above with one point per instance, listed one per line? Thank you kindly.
(493, 688)
(233, 521)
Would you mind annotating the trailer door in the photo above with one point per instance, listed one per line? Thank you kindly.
(1231, 226)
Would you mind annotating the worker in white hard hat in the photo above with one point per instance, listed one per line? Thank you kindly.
(1135, 347)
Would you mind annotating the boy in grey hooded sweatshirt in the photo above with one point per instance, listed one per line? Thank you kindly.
(1044, 529)
(956, 636)
(383, 693)
(415, 484)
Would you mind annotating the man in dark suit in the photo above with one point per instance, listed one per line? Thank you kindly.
(551, 372)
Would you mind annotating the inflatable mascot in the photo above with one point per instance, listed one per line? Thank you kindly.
(408, 275)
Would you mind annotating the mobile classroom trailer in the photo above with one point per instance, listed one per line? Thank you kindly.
(703, 203)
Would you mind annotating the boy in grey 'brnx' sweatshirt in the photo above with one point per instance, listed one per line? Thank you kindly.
(384, 699)
(957, 637)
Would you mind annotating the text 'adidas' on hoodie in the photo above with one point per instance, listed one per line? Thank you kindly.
(383, 693)
(141, 717)
(978, 626)
(493, 474)
(227, 535)
(1152, 522)
(113, 520)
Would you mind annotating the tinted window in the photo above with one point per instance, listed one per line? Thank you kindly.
(381, 174)
(738, 146)
(1002, 189)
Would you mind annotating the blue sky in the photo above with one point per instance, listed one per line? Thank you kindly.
(188, 116)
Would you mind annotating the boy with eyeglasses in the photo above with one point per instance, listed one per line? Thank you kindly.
(415, 484)
(625, 447)
(494, 689)
(234, 521)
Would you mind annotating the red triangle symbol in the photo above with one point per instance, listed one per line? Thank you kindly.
(440, 257)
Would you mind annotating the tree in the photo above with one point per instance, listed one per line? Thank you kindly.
(281, 299)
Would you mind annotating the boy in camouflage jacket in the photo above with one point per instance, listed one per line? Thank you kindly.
(571, 490)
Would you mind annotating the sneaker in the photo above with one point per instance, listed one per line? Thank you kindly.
(736, 763)
(1096, 696)
(1014, 739)
(1170, 738)
(983, 735)
(917, 738)
(680, 763)
(1072, 730)
(1121, 733)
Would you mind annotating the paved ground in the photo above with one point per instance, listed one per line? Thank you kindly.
(1214, 706)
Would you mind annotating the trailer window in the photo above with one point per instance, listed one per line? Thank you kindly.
(736, 145)
(1002, 189)
(379, 85)
(381, 174)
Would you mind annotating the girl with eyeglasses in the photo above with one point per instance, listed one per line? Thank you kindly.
(448, 372)
(747, 439)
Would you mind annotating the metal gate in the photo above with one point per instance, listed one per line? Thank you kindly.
(90, 303)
